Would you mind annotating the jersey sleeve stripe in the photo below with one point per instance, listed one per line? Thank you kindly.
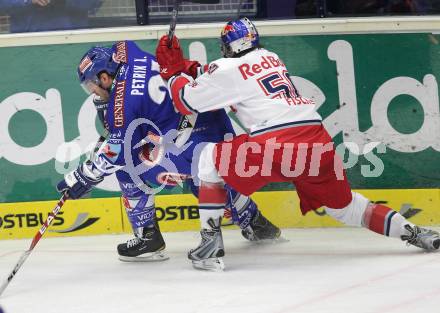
(201, 70)
(186, 102)
(177, 85)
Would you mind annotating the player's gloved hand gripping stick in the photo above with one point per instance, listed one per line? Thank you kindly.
(169, 53)
(79, 182)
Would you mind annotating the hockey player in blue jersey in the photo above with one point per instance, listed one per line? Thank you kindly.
(149, 146)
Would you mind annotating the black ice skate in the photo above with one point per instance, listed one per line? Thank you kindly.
(147, 248)
(261, 229)
(421, 237)
(208, 255)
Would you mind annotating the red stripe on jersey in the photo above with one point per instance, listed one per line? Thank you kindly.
(177, 85)
(375, 216)
(205, 68)
(212, 193)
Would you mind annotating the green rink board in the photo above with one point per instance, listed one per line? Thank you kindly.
(362, 82)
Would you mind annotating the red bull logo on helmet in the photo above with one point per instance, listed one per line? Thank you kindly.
(228, 28)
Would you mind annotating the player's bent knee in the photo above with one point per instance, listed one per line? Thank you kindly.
(206, 167)
(353, 213)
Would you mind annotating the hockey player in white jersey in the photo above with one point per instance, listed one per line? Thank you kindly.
(286, 142)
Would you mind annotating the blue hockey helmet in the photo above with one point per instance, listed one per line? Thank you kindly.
(94, 62)
(238, 36)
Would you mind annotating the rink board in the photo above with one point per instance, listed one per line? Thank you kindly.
(370, 88)
(180, 213)
(79, 217)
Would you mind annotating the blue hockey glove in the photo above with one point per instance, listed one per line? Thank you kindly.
(78, 183)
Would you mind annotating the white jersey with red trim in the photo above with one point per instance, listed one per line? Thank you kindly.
(256, 85)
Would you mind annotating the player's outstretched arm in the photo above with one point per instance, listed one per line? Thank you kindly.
(103, 162)
(212, 90)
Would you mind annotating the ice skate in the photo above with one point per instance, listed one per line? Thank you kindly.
(147, 248)
(208, 255)
(421, 237)
(261, 230)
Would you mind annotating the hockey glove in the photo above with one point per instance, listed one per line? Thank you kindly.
(78, 183)
(191, 68)
(170, 59)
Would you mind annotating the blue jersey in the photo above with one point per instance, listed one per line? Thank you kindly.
(138, 91)
(140, 107)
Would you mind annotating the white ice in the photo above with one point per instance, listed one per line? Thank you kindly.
(341, 270)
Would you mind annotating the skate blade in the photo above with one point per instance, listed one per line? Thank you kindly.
(212, 264)
(147, 257)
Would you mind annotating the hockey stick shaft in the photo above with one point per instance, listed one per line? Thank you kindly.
(175, 12)
(36, 239)
(173, 22)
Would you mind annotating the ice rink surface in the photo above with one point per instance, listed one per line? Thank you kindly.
(319, 270)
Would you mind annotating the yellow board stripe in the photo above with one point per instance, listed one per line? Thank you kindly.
(180, 213)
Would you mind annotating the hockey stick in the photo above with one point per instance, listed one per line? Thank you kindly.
(173, 22)
(47, 223)
(36, 239)
(175, 12)
(102, 138)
